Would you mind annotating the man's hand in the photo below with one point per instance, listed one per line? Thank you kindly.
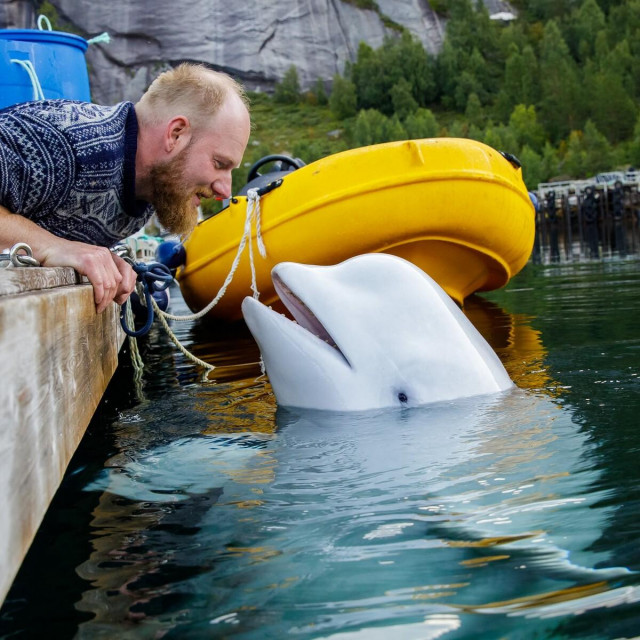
(113, 279)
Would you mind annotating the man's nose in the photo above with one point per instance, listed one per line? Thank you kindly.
(222, 186)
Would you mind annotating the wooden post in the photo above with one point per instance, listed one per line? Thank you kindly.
(57, 357)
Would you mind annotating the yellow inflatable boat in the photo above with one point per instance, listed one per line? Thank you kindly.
(456, 208)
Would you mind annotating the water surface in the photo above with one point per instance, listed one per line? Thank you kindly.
(199, 511)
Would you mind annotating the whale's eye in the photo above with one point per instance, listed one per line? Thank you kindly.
(402, 397)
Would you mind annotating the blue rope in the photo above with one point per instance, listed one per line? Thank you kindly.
(154, 277)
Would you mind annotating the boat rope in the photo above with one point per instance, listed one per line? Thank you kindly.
(136, 358)
(172, 336)
(253, 217)
(149, 275)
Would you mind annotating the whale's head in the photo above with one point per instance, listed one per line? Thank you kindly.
(372, 332)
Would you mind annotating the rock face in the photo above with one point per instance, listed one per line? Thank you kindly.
(253, 40)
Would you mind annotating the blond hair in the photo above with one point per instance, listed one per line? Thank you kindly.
(192, 90)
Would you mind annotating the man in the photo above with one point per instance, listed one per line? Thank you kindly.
(75, 178)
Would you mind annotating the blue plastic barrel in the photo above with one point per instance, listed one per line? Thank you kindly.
(51, 59)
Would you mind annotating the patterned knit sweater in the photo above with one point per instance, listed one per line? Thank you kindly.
(70, 167)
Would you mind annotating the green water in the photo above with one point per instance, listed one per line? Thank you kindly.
(198, 511)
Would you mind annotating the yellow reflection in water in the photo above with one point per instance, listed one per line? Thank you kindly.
(516, 342)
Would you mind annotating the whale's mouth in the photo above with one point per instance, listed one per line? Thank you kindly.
(303, 315)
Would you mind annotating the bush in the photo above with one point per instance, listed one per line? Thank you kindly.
(288, 91)
(403, 101)
(421, 124)
(343, 98)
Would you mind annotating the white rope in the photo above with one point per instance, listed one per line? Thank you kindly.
(104, 37)
(33, 76)
(253, 201)
(253, 213)
(172, 336)
(43, 20)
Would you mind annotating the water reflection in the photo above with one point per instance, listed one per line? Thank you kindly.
(354, 519)
(218, 516)
(516, 342)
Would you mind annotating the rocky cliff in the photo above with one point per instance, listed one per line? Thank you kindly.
(253, 40)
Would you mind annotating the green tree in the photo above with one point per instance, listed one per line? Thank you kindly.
(525, 127)
(343, 101)
(394, 130)
(402, 99)
(467, 84)
(532, 167)
(558, 84)
(587, 153)
(599, 155)
(547, 9)
(458, 129)
(406, 58)
(622, 61)
(447, 65)
(370, 127)
(514, 71)
(320, 92)
(529, 83)
(365, 74)
(421, 124)
(574, 163)
(612, 109)
(474, 113)
(586, 22)
(375, 73)
(634, 145)
(501, 138)
(288, 90)
(549, 162)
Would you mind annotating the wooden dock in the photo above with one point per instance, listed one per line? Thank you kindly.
(593, 219)
(58, 356)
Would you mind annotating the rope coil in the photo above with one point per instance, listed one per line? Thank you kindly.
(151, 277)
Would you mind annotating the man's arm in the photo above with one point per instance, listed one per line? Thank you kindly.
(112, 278)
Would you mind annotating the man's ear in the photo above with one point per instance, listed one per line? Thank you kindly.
(177, 134)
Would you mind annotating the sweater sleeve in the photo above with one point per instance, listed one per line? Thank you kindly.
(12, 176)
(37, 166)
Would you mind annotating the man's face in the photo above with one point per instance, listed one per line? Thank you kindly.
(202, 169)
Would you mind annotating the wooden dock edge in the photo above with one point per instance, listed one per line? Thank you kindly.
(58, 356)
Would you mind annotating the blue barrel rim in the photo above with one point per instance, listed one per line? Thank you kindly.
(49, 37)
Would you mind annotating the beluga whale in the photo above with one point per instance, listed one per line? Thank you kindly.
(372, 332)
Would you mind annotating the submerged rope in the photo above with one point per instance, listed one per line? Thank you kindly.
(136, 358)
(208, 368)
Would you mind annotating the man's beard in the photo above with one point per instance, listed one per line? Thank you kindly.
(172, 199)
